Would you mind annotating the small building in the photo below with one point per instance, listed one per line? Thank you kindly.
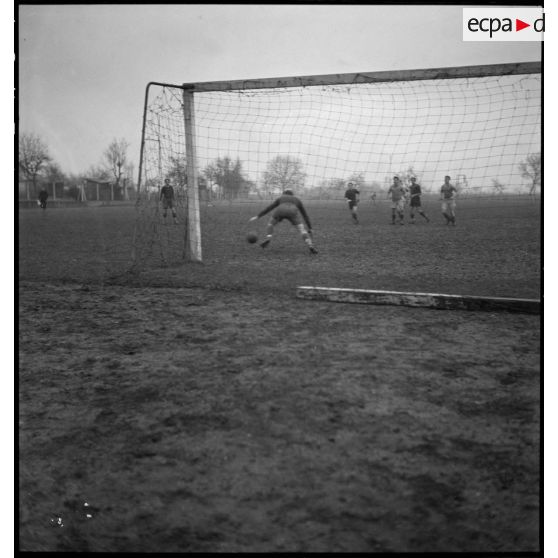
(28, 191)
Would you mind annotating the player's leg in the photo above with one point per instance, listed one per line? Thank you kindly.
(401, 211)
(306, 237)
(270, 226)
(445, 213)
(353, 210)
(418, 207)
(452, 212)
(393, 212)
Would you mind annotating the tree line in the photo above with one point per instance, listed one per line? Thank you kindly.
(223, 178)
(37, 166)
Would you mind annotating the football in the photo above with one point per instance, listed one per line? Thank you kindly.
(252, 237)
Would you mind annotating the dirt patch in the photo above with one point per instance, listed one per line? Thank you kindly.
(199, 420)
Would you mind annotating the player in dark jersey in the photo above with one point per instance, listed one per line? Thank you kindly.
(352, 195)
(287, 206)
(415, 193)
(43, 197)
(167, 197)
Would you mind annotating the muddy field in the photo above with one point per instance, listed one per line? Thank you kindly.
(203, 408)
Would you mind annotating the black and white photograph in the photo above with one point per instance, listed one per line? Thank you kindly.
(279, 278)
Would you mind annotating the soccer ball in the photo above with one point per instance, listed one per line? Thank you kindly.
(252, 237)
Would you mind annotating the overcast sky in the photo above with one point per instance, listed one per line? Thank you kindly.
(83, 68)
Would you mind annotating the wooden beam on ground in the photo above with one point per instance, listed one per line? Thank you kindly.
(422, 300)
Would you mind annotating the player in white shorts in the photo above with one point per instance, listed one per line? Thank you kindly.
(447, 193)
(398, 195)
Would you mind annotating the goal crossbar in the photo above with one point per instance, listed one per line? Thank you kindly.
(454, 72)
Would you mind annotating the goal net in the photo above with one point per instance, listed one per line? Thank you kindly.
(242, 142)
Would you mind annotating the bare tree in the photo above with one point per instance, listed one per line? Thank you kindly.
(406, 175)
(498, 186)
(53, 172)
(33, 156)
(177, 172)
(284, 171)
(531, 169)
(357, 178)
(115, 159)
(229, 176)
(98, 172)
(330, 188)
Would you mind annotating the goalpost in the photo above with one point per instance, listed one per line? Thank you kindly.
(235, 141)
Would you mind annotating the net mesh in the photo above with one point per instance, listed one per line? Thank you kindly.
(252, 144)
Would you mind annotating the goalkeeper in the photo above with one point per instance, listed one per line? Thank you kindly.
(287, 206)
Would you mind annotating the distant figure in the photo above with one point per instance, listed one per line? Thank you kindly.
(398, 194)
(167, 197)
(373, 198)
(287, 206)
(415, 193)
(352, 196)
(448, 192)
(43, 197)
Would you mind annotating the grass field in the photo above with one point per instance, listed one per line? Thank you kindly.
(204, 408)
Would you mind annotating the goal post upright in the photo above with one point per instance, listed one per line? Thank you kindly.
(194, 228)
(192, 232)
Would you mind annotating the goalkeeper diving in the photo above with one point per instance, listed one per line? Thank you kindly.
(289, 207)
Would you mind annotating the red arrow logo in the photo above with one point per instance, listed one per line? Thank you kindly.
(519, 25)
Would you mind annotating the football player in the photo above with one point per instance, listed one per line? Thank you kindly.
(352, 195)
(447, 193)
(415, 193)
(289, 207)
